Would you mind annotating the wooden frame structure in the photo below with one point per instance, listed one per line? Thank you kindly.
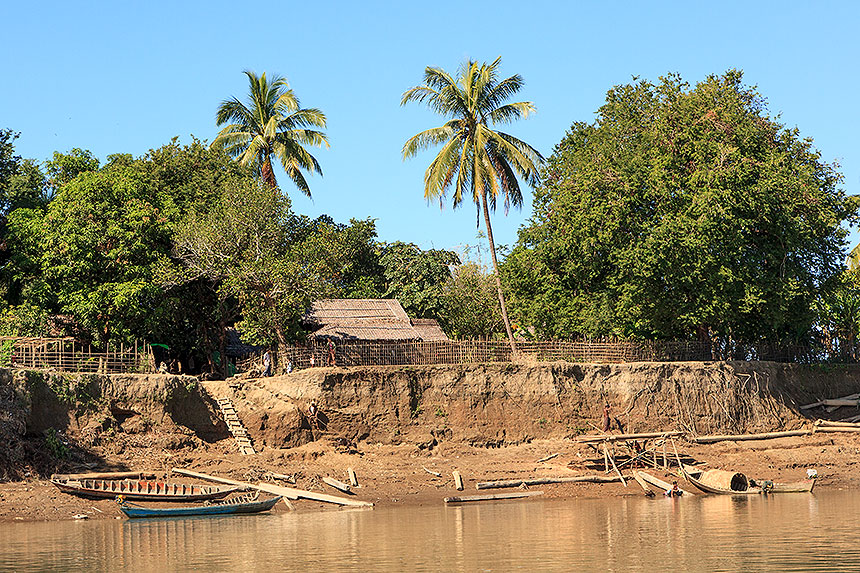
(65, 354)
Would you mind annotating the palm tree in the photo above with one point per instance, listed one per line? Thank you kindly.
(479, 161)
(271, 123)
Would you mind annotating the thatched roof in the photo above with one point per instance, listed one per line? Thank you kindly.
(360, 319)
(429, 329)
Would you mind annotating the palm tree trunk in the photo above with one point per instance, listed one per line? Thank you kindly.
(268, 173)
(496, 272)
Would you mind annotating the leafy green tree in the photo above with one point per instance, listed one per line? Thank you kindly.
(477, 160)
(64, 167)
(271, 123)
(470, 304)
(838, 317)
(415, 277)
(679, 213)
(98, 251)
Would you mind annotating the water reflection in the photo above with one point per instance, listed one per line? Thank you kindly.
(795, 532)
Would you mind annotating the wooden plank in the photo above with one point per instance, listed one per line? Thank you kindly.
(288, 492)
(642, 484)
(490, 497)
(744, 437)
(665, 486)
(458, 480)
(337, 484)
(545, 480)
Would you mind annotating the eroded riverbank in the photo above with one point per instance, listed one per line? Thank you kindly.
(392, 425)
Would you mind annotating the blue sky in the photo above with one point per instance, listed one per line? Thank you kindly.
(126, 77)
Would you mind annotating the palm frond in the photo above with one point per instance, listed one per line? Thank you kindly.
(427, 138)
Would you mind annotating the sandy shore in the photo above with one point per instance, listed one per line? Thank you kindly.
(394, 475)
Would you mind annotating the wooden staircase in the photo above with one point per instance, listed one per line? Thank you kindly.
(234, 424)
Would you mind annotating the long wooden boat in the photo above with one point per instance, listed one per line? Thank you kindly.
(141, 490)
(241, 504)
(804, 486)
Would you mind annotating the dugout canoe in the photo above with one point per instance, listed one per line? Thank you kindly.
(141, 490)
(734, 483)
(244, 504)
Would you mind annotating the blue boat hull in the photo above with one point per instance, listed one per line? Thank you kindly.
(225, 508)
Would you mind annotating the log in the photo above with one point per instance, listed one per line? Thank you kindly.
(353, 479)
(837, 429)
(743, 437)
(840, 423)
(549, 457)
(337, 484)
(105, 475)
(665, 486)
(825, 402)
(838, 402)
(851, 419)
(458, 480)
(546, 480)
(617, 437)
(513, 495)
(286, 492)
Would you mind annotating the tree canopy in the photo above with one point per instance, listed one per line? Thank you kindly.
(681, 212)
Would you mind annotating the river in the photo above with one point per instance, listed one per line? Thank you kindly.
(792, 532)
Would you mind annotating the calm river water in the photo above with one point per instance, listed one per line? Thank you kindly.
(792, 532)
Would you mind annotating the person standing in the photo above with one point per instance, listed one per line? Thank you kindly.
(267, 364)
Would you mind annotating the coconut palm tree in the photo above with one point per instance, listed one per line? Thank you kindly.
(476, 160)
(271, 122)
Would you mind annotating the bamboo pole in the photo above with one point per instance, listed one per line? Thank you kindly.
(611, 459)
(620, 437)
(745, 437)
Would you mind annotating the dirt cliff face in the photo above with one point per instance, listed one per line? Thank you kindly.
(499, 404)
(486, 405)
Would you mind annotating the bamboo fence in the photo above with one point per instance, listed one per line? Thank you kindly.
(65, 354)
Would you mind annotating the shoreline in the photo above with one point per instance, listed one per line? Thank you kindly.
(395, 475)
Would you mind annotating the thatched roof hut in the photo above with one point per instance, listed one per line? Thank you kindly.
(364, 319)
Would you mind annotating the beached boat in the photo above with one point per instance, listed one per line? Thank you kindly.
(735, 483)
(140, 490)
(243, 504)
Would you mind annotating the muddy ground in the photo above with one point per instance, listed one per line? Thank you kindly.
(395, 425)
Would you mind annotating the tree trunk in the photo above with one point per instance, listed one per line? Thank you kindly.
(268, 173)
(496, 272)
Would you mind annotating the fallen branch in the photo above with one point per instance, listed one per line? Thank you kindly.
(431, 472)
(744, 437)
(546, 480)
(549, 457)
